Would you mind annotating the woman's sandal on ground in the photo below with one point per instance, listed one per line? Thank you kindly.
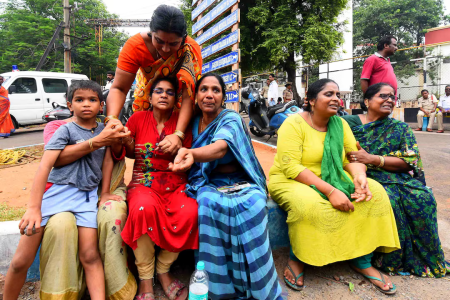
(175, 289)
(391, 291)
(145, 296)
(294, 286)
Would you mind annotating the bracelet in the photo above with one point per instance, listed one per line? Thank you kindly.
(91, 145)
(180, 134)
(353, 175)
(108, 118)
(331, 192)
(381, 161)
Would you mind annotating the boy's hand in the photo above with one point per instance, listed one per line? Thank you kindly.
(108, 196)
(31, 220)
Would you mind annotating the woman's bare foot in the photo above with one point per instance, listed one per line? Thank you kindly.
(145, 286)
(375, 273)
(298, 268)
(166, 279)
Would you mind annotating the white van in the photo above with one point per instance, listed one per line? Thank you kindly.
(32, 93)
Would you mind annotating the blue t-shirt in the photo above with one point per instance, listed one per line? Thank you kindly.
(84, 173)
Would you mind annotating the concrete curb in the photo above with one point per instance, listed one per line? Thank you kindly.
(9, 239)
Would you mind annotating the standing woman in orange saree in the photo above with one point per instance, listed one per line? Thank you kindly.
(165, 51)
(6, 124)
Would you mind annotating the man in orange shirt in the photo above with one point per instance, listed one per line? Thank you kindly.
(6, 124)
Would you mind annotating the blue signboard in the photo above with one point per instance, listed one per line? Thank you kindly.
(193, 2)
(201, 8)
(213, 14)
(221, 62)
(223, 43)
(230, 77)
(232, 96)
(221, 26)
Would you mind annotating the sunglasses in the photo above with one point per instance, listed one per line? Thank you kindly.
(387, 96)
(160, 91)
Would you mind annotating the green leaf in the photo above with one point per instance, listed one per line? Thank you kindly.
(351, 286)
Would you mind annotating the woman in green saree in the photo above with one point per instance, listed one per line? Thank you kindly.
(389, 149)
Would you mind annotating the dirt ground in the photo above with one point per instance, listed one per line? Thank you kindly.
(320, 283)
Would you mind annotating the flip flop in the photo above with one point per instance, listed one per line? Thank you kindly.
(145, 296)
(174, 290)
(294, 286)
(391, 291)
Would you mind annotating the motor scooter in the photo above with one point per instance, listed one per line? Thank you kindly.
(61, 111)
(266, 121)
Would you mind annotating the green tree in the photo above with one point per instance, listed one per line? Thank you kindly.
(26, 27)
(407, 20)
(309, 28)
(273, 32)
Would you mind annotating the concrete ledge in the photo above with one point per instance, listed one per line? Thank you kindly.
(9, 239)
(10, 236)
(278, 230)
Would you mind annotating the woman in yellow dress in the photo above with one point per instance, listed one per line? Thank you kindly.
(334, 212)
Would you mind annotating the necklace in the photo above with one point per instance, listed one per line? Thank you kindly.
(202, 125)
(92, 129)
(312, 123)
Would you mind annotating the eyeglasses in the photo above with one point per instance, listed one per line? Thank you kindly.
(387, 96)
(160, 91)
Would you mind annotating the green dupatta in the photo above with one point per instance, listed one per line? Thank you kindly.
(332, 167)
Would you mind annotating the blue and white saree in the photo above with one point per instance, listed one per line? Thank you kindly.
(234, 241)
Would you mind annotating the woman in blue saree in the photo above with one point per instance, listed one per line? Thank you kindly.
(234, 242)
(389, 149)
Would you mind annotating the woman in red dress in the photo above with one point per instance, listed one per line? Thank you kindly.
(159, 211)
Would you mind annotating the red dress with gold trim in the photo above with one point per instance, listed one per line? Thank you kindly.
(158, 205)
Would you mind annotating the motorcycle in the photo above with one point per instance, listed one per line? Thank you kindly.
(58, 112)
(245, 102)
(61, 111)
(267, 121)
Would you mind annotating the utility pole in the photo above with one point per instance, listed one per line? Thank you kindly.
(67, 55)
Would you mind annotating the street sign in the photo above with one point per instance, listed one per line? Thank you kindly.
(216, 12)
(218, 28)
(232, 96)
(193, 2)
(231, 77)
(222, 62)
(201, 8)
(225, 42)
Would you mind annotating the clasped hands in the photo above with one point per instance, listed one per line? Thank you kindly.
(115, 132)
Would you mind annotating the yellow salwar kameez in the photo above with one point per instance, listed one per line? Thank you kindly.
(320, 234)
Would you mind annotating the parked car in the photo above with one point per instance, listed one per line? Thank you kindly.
(32, 93)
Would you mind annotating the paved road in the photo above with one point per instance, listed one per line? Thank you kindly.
(23, 138)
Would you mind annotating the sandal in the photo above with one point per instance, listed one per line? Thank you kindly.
(174, 289)
(391, 291)
(145, 296)
(294, 286)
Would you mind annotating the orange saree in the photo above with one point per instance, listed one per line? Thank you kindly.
(185, 64)
(6, 124)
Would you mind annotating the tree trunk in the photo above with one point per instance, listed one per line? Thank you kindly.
(290, 68)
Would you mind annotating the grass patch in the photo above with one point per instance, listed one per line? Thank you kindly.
(11, 213)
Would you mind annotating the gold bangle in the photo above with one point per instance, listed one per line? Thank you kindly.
(108, 118)
(381, 161)
(331, 192)
(180, 134)
(90, 144)
(359, 174)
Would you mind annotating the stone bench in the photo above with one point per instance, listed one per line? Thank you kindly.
(10, 236)
(9, 239)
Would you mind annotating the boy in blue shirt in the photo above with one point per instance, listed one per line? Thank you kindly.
(70, 188)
